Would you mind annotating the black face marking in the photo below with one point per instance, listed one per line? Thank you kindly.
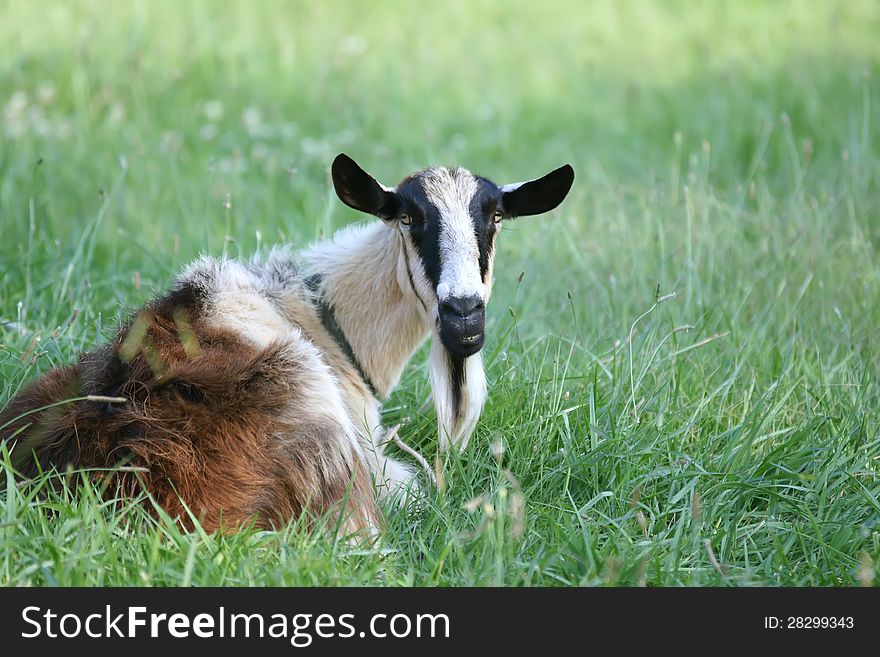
(482, 209)
(426, 226)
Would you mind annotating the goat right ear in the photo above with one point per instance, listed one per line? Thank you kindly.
(539, 195)
(359, 190)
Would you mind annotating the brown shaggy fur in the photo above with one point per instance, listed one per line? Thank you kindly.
(210, 422)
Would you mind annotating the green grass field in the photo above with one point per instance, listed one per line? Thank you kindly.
(726, 153)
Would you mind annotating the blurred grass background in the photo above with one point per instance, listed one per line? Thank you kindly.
(725, 151)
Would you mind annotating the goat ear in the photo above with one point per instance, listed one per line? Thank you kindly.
(537, 196)
(359, 190)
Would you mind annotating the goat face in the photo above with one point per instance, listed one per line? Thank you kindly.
(448, 220)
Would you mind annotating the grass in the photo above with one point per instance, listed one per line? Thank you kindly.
(726, 153)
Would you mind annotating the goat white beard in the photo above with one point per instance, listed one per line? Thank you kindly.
(455, 429)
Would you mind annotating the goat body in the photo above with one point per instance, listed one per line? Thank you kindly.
(250, 391)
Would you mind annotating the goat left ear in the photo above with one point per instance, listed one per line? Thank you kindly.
(537, 196)
(359, 190)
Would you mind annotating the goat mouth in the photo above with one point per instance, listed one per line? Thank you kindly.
(462, 345)
(462, 336)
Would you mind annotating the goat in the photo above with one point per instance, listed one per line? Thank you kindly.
(250, 392)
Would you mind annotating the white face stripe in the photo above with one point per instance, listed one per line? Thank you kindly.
(451, 192)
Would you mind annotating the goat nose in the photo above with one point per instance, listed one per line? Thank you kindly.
(462, 306)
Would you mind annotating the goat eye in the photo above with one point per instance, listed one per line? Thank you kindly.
(497, 217)
(405, 219)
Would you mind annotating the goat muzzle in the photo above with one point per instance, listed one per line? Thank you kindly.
(462, 324)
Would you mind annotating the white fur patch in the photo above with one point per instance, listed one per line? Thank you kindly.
(236, 300)
(322, 400)
(455, 430)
